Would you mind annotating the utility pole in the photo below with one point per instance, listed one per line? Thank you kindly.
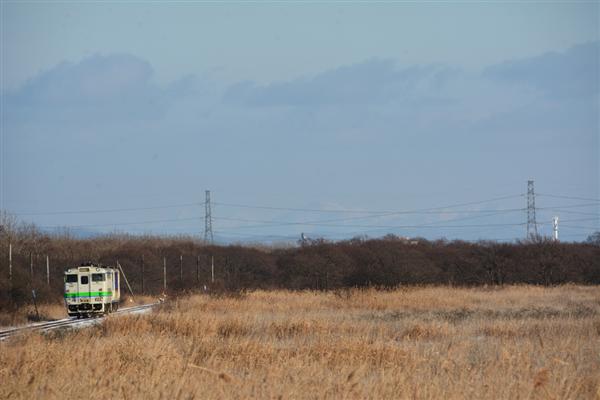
(47, 270)
(532, 232)
(164, 275)
(555, 229)
(142, 274)
(10, 263)
(208, 232)
(198, 269)
(181, 269)
(126, 281)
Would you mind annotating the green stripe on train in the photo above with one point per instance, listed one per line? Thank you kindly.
(88, 294)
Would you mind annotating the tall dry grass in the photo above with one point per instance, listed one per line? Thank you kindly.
(435, 342)
(27, 314)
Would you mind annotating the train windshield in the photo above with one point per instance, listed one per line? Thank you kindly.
(98, 277)
(71, 278)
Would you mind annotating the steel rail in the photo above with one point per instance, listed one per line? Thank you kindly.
(68, 322)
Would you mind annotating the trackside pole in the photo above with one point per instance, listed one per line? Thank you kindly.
(164, 275)
(10, 263)
(34, 296)
(212, 268)
(47, 270)
(143, 291)
(126, 281)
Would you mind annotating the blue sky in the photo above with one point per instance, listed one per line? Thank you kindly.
(341, 106)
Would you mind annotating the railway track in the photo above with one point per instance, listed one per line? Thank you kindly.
(69, 322)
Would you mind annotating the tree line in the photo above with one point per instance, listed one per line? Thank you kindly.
(318, 264)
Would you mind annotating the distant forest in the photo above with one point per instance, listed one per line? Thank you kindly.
(314, 264)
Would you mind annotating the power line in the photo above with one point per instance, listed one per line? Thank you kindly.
(379, 213)
(579, 220)
(442, 210)
(592, 228)
(568, 197)
(316, 210)
(375, 214)
(363, 226)
(430, 224)
(571, 212)
(107, 210)
(283, 223)
(417, 227)
(120, 223)
(419, 212)
(288, 237)
(569, 206)
(187, 229)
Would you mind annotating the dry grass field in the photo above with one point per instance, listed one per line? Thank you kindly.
(27, 315)
(516, 342)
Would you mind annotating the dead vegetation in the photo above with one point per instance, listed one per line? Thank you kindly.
(27, 314)
(429, 342)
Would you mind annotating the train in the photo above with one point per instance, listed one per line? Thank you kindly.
(91, 290)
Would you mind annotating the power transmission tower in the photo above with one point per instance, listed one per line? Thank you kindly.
(532, 232)
(208, 233)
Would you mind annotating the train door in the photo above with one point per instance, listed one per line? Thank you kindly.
(84, 287)
(98, 290)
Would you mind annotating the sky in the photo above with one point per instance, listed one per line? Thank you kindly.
(334, 119)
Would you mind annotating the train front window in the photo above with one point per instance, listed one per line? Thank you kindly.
(84, 280)
(71, 278)
(98, 278)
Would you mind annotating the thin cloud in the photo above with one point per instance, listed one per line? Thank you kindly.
(375, 81)
(574, 72)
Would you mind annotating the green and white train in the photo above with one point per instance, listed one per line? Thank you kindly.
(91, 289)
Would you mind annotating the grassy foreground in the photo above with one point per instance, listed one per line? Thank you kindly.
(439, 342)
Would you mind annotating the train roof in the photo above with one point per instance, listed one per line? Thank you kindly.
(84, 267)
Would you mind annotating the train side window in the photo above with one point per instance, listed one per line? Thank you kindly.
(84, 280)
(98, 278)
(71, 278)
